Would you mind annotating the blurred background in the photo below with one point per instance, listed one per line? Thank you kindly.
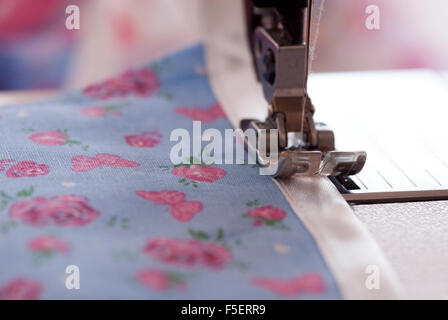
(38, 52)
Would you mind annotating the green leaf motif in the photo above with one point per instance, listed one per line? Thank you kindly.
(252, 203)
(27, 130)
(5, 196)
(270, 222)
(25, 193)
(112, 221)
(220, 235)
(125, 223)
(3, 204)
(200, 235)
(73, 142)
(6, 226)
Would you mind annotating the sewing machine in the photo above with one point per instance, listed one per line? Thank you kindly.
(279, 39)
(399, 166)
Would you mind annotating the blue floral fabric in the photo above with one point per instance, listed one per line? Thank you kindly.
(86, 181)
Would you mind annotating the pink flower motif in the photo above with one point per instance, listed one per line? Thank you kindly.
(148, 139)
(175, 252)
(169, 197)
(210, 114)
(267, 213)
(94, 112)
(199, 173)
(258, 223)
(48, 244)
(311, 283)
(217, 110)
(66, 210)
(185, 211)
(85, 163)
(159, 280)
(49, 138)
(141, 82)
(215, 256)
(21, 289)
(115, 161)
(189, 253)
(27, 169)
(181, 210)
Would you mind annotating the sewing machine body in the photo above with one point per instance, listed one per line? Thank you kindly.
(279, 40)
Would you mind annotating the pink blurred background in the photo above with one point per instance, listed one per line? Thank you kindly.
(37, 51)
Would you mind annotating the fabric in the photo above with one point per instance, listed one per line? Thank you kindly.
(86, 180)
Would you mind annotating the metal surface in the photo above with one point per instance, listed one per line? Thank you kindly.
(280, 37)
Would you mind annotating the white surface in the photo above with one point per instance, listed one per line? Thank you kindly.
(414, 238)
(405, 113)
(398, 117)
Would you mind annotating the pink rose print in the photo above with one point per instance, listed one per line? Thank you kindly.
(141, 83)
(169, 197)
(115, 161)
(180, 209)
(49, 138)
(215, 256)
(160, 280)
(66, 210)
(172, 251)
(198, 173)
(311, 283)
(101, 111)
(209, 114)
(148, 139)
(48, 244)
(185, 211)
(21, 289)
(188, 253)
(266, 215)
(85, 163)
(6, 199)
(191, 173)
(94, 112)
(27, 169)
(53, 138)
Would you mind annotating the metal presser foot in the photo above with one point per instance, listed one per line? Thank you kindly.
(280, 48)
